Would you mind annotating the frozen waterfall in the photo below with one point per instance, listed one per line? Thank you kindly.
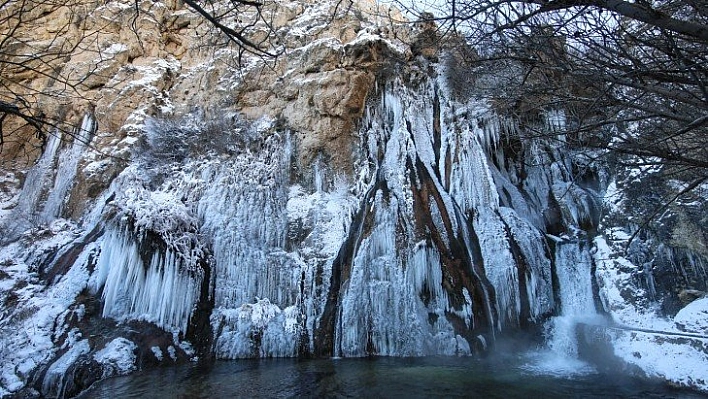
(414, 253)
(67, 162)
(436, 242)
(49, 181)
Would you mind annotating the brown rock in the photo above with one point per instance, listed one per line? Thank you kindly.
(165, 60)
(688, 296)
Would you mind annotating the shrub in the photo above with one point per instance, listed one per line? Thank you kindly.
(174, 139)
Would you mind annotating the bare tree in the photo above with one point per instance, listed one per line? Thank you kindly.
(22, 58)
(237, 20)
(630, 77)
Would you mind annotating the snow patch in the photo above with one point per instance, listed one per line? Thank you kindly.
(117, 357)
(682, 361)
(694, 317)
(157, 352)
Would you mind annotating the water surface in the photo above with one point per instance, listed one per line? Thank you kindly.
(506, 376)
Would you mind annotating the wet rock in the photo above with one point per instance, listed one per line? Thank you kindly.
(688, 296)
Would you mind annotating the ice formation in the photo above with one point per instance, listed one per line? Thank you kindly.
(436, 242)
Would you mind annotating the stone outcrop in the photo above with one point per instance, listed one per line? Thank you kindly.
(123, 65)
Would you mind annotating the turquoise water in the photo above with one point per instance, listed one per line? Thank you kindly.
(510, 376)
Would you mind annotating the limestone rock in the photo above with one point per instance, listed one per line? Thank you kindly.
(124, 65)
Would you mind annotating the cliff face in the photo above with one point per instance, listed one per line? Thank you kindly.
(121, 66)
(343, 199)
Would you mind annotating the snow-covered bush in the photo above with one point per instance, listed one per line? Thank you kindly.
(174, 139)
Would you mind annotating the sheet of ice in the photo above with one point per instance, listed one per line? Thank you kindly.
(37, 181)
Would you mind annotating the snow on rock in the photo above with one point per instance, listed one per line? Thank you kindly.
(655, 344)
(9, 192)
(29, 327)
(680, 360)
(160, 211)
(260, 329)
(694, 317)
(117, 357)
(626, 303)
(159, 355)
(54, 378)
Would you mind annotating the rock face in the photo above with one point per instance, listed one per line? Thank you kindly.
(170, 62)
(343, 199)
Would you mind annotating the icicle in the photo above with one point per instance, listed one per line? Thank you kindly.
(276, 330)
(66, 170)
(472, 185)
(531, 244)
(161, 291)
(37, 181)
(556, 121)
(380, 312)
(318, 177)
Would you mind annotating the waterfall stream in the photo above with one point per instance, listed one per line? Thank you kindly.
(573, 266)
(573, 269)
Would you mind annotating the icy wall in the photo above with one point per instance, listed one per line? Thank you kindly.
(434, 244)
(437, 231)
